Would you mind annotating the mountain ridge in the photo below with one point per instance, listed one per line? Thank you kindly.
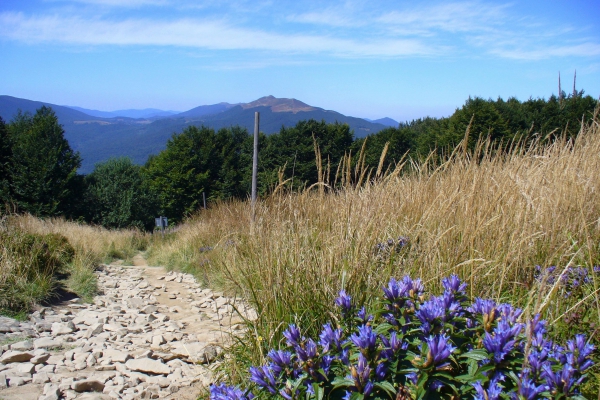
(98, 139)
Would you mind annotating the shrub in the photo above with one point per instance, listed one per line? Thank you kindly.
(414, 347)
(29, 264)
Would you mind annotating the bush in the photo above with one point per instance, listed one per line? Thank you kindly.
(413, 347)
(29, 264)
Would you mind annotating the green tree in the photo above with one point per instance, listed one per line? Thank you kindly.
(43, 166)
(294, 148)
(117, 196)
(180, 173)
(5, 158)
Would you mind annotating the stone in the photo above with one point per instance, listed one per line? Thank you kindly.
(13, 356)
(149, 309)
(148, 365)
(40, 359)
(46, 343)
(59, 328)
(25, 345)
(87, 385)
(116, 355)
(94, 330)
(40, 377)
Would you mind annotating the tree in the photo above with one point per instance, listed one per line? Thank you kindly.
(180, 173)
(5, 158)
(117, 196)
(43, 166)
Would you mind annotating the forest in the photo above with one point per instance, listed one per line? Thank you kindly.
(39, 170)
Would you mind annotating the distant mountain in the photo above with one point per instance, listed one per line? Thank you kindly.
(202, 111)
(384, 121)
(98, 138)
(145, 113)
(9, 106)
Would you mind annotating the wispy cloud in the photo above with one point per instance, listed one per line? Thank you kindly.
(198, 33)
(350, 29)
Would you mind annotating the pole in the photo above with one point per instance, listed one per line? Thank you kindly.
(255, 163)
(162, 226)
(204, 199)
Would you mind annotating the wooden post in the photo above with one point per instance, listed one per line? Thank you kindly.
(255, 163)
(204, 199)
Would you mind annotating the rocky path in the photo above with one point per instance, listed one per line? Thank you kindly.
(148, 335)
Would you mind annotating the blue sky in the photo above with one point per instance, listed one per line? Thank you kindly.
(400, 59)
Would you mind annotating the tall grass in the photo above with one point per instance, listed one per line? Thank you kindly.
(488, 216)
(37, 257)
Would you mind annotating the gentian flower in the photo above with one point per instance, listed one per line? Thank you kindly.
(439, 351)
(264, 378)
(292, 334)
(365, 340)
(224, 392)
(344, 301)
(502, 341)
(330, 339)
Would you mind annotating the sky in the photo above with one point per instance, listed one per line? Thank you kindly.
(373, 59)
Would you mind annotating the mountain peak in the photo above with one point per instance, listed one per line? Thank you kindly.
(279, 104)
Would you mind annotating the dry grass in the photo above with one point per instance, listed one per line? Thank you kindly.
(97, 243)
(25, 278)
(490, 219)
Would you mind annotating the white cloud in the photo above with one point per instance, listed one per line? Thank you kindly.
(206, 34)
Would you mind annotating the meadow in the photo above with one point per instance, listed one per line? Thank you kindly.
(509, 223)
(519, 224)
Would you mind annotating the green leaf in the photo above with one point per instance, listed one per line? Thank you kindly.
(477, 354)
(386, 387)
(319, 391)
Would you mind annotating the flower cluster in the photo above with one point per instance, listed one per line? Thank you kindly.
(416, 346)
(390, 246)
(570, 279)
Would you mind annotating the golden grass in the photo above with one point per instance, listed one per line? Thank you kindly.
(489, 218)
(96, 242)
(90, 246)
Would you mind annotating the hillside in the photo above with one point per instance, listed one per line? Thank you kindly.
(98, 139)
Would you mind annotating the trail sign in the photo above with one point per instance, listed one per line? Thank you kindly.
(163, 222)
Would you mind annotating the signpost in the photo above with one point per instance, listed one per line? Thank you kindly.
(163, 222)
(255, 164)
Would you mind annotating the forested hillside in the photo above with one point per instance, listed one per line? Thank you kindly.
(39, 168)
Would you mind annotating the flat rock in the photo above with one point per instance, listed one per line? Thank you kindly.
(13, 356)
(116, 355)
(148, 365)
(88, 385)
(46, 343)
(25, 345)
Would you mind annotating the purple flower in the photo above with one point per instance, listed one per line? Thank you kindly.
(439, 350)
(381, 371)
(562, 381)
(483, 306)
(362, 315)
(330, 339)
(344, 301)
(454, 285)
(528, 389)
(224, 392)
(281, 360)
(292, 334)
(365, 340)
(308, 352)
(509, 313)
(502, 341)
(429, 312)
(360, 374)
(264, 378)
(395, 291)
(580, 353)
